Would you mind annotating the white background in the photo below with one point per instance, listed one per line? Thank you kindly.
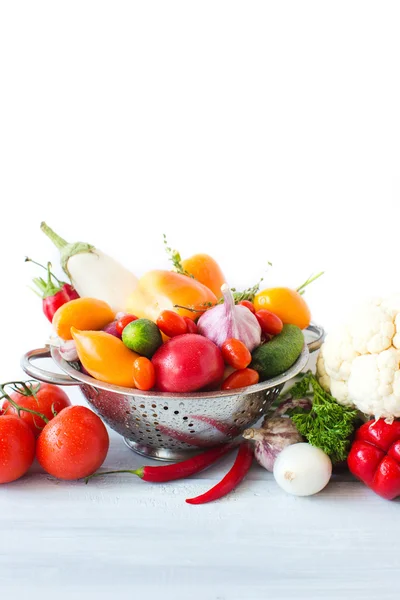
(254, 131)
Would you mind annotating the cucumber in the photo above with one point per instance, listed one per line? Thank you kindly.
(277, 356)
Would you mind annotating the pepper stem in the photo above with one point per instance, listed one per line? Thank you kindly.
(312, 278)
(138, 472)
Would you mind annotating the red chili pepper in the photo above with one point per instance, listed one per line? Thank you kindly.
(240, 468)
(53, 293)
(375, 457)
(177, 470)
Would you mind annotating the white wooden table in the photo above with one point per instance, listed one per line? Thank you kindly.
(119, 536)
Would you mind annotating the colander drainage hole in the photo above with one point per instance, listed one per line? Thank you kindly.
(176, 412)
(154, 406)
(185, 418)
(165, 407)
(190, 425)
(192, 431)
(144, 415)
(142, 406)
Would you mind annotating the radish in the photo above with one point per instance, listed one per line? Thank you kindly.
(93, 273)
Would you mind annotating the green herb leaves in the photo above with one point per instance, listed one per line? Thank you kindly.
(176, 259)
(328, 425)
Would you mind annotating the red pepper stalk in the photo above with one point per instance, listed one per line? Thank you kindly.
(54, 293)
(239, 470)
(175, 471)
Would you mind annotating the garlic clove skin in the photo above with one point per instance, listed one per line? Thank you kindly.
(274, 436)
(68, 351)
(227, 321)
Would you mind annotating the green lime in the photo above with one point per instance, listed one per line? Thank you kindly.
(142, 336)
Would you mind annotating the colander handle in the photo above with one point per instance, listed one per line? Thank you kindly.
(42, 374)
(317, 342)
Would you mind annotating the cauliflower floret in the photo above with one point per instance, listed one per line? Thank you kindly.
(334, 364)
(360, 363)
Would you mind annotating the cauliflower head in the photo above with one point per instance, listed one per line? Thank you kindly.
(359, 363)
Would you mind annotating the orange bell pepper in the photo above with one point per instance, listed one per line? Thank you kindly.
(206, 270)
(105, 357)
(82, 313)
(161, 290)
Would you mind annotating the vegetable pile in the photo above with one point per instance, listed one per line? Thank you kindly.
(171, 331)
(185, 330)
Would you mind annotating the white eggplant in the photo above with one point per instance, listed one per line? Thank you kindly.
(93, 273)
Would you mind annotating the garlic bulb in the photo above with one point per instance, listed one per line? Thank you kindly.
(226, 321)
(275, 434)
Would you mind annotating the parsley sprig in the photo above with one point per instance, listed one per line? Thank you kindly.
(328, 425)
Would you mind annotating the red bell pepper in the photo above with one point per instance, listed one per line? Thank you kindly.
(54, 293)
(375, 457)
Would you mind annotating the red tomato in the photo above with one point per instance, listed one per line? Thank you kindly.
(73, 445)
(248, 305)
(171, 323)
(191, 325)
(17, 448)
(241, 379)
(49, 398)
(269, 323)
(188, 363)
(236, 354)
(144, 375)
(123, 322)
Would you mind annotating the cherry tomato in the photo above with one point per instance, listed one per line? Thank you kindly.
(144, 374)
(241, 379)
(171, 323)
(191, 325)
(248, 305)
(123, 322)
(73, 445)
(236, 354)
(286, 304)
(49, 400)
(269, 322)
(17, 448)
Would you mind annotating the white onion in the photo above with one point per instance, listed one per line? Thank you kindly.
(302, 469)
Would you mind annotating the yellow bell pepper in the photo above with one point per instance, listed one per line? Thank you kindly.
(105, 357)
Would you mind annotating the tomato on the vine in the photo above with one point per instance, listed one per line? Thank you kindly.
(44, 398)
(240, 379)
(73, 445)
(17, 448)
(236, 354)
(172, 324)
(144, 375)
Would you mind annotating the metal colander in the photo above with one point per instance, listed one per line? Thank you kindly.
(171, 426)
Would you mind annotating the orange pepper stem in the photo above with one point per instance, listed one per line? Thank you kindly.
(312, 278)
(22, 388)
